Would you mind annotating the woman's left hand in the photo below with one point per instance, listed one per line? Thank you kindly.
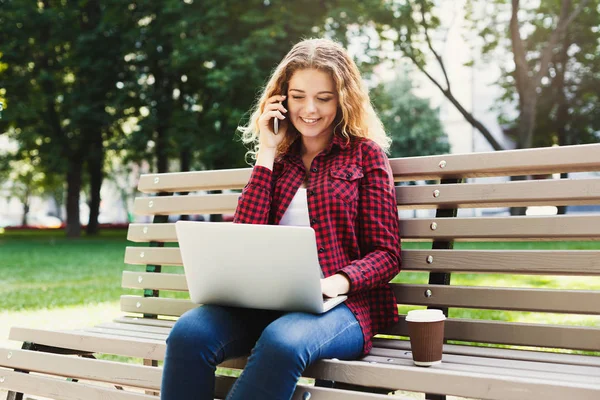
(335, 285)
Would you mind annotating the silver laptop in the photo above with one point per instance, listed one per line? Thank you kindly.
(268, 267)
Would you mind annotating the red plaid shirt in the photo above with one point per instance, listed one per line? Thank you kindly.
(352, 208)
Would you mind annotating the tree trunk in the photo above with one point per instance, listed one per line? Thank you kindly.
(95, 165)
(185, 160)
(25, 210)
(526, 124)
(73, 191)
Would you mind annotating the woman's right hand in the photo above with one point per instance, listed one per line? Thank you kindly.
(273, 109)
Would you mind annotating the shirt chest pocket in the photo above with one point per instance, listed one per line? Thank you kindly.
(344, 182)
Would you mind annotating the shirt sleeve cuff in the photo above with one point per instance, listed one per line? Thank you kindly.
(261, 177)
(356, 276)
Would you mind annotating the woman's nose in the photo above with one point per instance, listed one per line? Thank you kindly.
(311, 106)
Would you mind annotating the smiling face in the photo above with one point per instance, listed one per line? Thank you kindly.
(312, 103)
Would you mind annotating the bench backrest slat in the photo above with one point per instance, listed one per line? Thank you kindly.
(541, 192)
(503, 163)
(514, 333)
(507, 299)
(546, 262)
(564, 227)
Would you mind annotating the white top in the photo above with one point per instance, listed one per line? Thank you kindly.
(297, 212)
(430, 315)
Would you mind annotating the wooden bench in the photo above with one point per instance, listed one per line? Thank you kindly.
(437, 246)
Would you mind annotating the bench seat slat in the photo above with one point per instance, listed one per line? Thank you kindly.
(573, 373)
(381, 375)
(94, 343)
(163, 323)
(458, 383)
(499, 353)
(472, 364)
(135, 328)
(562, 227)
(126, 333)
(82, 368)
(45, 386)
(495, 298)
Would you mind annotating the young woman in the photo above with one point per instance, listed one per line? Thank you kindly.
(326, 168)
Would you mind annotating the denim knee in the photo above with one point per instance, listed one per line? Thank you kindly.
(191, 338)
(283, 346)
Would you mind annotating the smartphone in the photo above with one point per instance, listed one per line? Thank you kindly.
(276, 120)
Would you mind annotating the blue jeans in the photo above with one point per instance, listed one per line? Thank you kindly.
(282, 344)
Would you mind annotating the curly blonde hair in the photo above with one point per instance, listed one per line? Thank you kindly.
(355, 117)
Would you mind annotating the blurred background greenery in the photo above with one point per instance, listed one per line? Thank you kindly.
(95, 89)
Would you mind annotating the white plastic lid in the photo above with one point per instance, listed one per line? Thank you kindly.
(431, 315)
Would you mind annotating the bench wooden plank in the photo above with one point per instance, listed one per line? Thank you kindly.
(190, 204)
(495, 298)
(194, 180)
(514, 333)
(502, 163)
(497, 366)
(515, 299)
(498, 353)
(553, 336)
(469, 365)
(383, 343)
(153, 280)
(551, 192)
(61, 389)
(458, 383)
(165, 323)
(540, 161)
(506, 194)
(93, 343)
(82, 368)
(135, 328)
(155, 305)
(562, 227)
(530, 262)
(125, 333)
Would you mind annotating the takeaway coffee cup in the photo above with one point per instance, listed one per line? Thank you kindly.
(426, 331)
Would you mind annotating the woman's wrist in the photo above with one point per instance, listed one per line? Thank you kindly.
(266, 157)
(342, 283)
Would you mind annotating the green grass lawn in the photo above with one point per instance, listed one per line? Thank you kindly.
(43, 269)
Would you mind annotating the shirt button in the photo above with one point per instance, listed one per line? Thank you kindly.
(321, 249)
(313, 221)
(314, 169)
(311, 192)
(348, 175)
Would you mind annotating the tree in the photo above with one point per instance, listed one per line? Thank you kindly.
(414, 126)
(413, 37)
(62, 63)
